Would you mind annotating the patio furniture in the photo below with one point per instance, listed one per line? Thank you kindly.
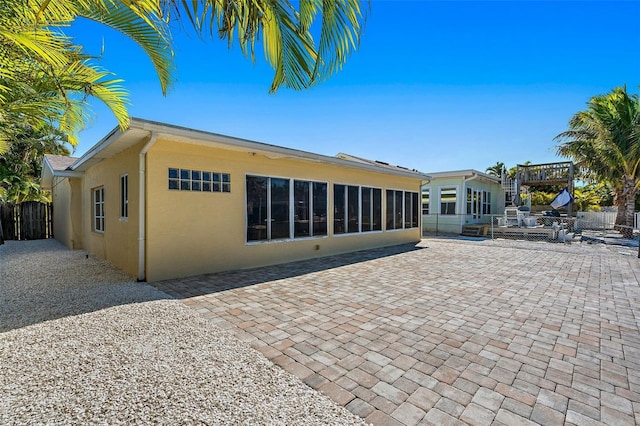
(512, 216)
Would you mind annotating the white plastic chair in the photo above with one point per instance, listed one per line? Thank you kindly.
(512, 216)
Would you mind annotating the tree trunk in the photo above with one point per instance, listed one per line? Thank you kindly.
(619, 202)
(629, 192)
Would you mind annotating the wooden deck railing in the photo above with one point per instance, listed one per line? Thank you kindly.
(545, 174)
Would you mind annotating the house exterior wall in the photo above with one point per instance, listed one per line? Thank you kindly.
(61, 200)
(67, 208)
(119, 242)
(453, 223)
(190, 233)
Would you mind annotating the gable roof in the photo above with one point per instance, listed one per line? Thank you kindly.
(140, 130)
(56, 165)
(60, 162)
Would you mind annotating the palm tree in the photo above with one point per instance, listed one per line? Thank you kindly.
(45, 77)
(287, 33)
(33, 48)
(605, 139)
(496, 170)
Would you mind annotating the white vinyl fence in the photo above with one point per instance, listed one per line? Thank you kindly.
(597, 220)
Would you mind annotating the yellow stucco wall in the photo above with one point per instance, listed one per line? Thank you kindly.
(190, 233)
(119, 242)
(67, 211)
(61, 201)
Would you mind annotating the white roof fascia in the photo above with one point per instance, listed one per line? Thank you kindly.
(97, 148)
(199, 137)
(463, 174)
(67, 173)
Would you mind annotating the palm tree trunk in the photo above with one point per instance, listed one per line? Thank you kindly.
(619, 202)
(630, 200)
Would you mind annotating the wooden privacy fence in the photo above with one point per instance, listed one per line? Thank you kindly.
(30, 220)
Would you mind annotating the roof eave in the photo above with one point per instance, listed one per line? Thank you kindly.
(48, 173)
(464, 174)
(96, 149)
(200, 137)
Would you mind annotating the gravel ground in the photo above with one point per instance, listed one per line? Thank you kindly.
(80, 343)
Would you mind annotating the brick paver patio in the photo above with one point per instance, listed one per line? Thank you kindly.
(449, 332)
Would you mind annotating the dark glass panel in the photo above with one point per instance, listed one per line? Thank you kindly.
(256, 208)
(338, 209)
(301, 206)
(280, 208)
(319, 208)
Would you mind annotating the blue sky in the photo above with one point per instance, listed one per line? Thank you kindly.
(435, 85)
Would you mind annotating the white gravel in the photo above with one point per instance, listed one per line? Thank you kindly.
(81, 343)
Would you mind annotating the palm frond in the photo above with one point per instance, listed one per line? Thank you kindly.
(143, 23)
(286, 33)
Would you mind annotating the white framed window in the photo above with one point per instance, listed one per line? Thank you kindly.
(356, 209)
(486, 202)
(124, 196)
(478, 202)
(426, 201)
(98, 209)
(448, 199)
(371, 209)
(285, 208)
(198, 180)
(402, 209)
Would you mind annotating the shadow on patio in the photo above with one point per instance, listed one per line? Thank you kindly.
(182, 288)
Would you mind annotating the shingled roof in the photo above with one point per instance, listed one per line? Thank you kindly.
(60, 162)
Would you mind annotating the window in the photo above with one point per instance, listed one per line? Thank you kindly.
(478, 202)
(486, 202)
(448, 201)
(356, 209)
(124, 196)
(257, 208)
(310, 209)
(282, 208)
(301, 204)
(371, 208)
(339, 195)
(98, 209)
(279, 195)
(353, 205)
(319, 208)
(425, 201)
(415, 216)
(200, 181)
(402, 209)
(346, 203)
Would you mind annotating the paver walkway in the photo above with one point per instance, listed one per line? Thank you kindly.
(450, 332)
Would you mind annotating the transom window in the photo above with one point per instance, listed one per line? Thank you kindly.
(284, 208)
(197, 180)
(402, 209)
(98, 209)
